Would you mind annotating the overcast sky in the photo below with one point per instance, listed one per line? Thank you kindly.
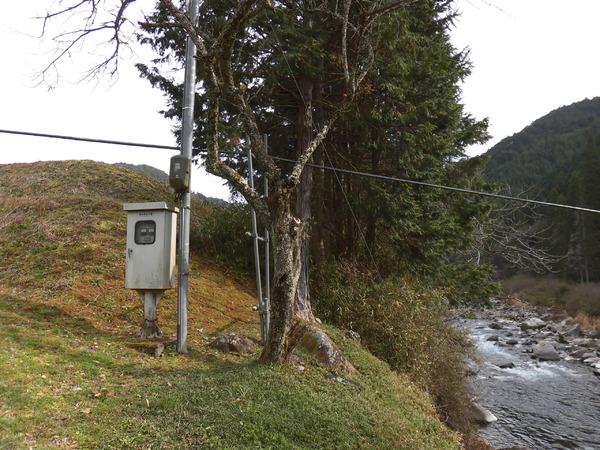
(529, 57)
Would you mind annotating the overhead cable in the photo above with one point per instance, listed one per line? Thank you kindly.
(322, 167)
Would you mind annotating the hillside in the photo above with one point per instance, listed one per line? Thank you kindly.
(73, 374)
(542, 157)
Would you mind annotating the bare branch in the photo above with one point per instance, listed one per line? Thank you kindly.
(92, 25)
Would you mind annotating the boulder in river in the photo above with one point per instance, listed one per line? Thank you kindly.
(594, 334)
(507, 365)
(495, 325)
(492, 338)
(532, 324)
(544, 351)
(482, 415)
(512, 341)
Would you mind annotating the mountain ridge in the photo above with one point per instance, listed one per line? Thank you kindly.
(541, 157)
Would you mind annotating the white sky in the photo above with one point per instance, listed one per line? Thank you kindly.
(529, 57)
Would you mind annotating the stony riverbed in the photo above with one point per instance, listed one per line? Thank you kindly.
(538, 374)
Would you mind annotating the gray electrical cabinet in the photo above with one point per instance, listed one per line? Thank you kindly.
(151, 232)
(150, 267)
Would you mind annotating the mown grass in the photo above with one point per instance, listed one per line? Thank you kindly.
(73, 374)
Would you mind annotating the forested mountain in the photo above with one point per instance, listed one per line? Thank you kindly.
(557, 159)
(543, 156)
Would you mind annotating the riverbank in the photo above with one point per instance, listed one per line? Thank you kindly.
(538, 373)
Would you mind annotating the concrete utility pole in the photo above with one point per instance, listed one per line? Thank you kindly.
(267, 294)
(187, 135)
(263, 297)
(255, 239)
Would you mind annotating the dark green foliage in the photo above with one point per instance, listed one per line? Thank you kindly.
(222, 236)
(406, 122)
(466, 281)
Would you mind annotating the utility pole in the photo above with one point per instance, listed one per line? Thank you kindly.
(187, 135)
(266, 304)
(255, 239)
(263, 297)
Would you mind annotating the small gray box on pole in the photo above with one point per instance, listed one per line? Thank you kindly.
(179, 173)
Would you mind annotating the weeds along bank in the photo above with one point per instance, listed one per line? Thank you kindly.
(580, 300)
(401, 321)
(74, 375)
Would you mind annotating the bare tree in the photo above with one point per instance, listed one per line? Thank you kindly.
(517, 234)
(357, 22)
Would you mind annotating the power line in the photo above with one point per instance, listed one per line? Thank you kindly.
(83, 139)
(323, 167)
(447, 188)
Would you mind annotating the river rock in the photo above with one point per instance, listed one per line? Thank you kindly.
(571, 331)
(482, 415)
(594, 334)
(578, 352)
(507, 365)
(492, 338)
(592, 361)
(516, 448)
(532, 324)
(545, 351)
(512, 341)
(585, 342)
(495, 326)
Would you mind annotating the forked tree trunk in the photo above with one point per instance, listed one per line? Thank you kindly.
(287, 238)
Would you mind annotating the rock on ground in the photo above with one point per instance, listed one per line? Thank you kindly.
(232, 343)
(320, 346)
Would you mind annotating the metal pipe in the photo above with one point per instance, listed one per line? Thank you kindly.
(267, 295)
(259, 295)
(187, 136)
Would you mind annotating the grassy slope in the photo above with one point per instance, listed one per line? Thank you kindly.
(74, 375)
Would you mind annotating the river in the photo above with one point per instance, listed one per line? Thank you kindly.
(539, 404)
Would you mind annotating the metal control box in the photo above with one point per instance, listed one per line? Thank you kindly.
(151, 233)
(179, 173)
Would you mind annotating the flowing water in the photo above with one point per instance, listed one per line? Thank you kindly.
(539, 405)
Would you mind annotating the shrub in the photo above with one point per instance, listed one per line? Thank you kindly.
(220, 233)
(583, 298)
(538, 291)
(467, 282)
(401, 322)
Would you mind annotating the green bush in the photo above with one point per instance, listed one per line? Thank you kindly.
(220, 233)
(400, 321)
(466, 282)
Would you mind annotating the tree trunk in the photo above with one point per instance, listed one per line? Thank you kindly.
(304, 134)
(287, 232)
